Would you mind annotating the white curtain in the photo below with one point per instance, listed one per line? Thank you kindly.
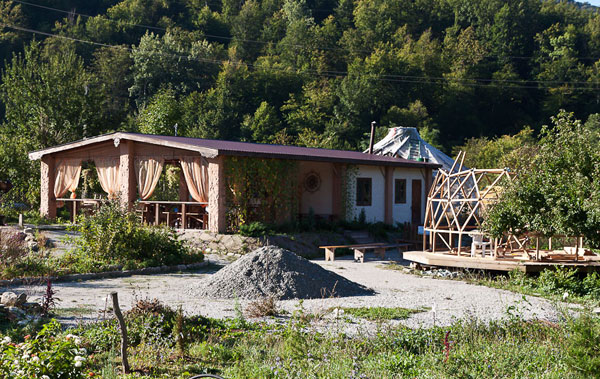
(147, 171)
(108, 175)
(195, 171)
(67, 176)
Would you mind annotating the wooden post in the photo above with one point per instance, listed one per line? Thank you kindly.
(74, 211)
(156, 214)
(47, 178)
(537, 248)
(388, 196)
(217, 212)
(123, 328)
(183, 216)
(127, 180)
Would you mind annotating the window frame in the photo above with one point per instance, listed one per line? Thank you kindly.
(396, 181)
(366, 203)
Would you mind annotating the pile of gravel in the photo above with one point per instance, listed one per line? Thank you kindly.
(275, 272)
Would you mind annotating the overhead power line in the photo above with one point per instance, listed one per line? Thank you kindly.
(333, 74)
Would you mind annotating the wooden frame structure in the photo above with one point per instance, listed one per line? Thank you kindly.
(453, 235)
(456, 205)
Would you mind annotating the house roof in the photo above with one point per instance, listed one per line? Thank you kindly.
(212, 148)
(405, 142)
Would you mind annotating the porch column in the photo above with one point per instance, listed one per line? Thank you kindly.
(428, 181)
(337, 206)
(217, 222)
(127, 182)
(388, 193)
(47, 178)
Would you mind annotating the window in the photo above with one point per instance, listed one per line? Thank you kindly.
(363, 192)
(400, 191)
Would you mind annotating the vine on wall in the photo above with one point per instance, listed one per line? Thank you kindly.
(258, 189)
(349, 192)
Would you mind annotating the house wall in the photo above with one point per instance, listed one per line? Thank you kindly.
(376, 211)
(321, 201)
(402, 212)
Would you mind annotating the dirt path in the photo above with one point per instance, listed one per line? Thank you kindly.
(444, 300)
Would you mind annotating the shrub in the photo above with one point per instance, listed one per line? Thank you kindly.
(262, 308)
(254, 229)
(583, 344)
(12, 246)
(17, 260)
(46, 355)
(114, 235)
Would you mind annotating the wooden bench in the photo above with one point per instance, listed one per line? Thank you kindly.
(359, 250)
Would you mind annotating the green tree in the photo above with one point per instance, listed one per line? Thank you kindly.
(512, 151)
(161, 114)
(559, 192)
(175, 59)
(263, 125)
(50, 98)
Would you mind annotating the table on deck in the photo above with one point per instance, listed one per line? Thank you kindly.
(185, 213)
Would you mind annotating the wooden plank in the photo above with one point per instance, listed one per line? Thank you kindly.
(353, 246)
(359, 255)
(330, 254)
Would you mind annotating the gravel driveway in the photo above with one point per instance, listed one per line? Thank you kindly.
(444, 300)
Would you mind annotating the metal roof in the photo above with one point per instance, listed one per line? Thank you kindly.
(212, 148)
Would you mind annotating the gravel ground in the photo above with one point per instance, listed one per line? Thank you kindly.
(444, 300)
(271, 271)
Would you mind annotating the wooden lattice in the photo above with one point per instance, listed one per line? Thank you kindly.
(457, 203)
(456, 206)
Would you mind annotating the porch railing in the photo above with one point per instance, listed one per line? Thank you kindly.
(177, 214)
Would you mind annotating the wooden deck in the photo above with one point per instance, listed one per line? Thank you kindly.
(496, 264)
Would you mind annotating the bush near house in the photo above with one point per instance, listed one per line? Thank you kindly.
(116, 236)
(112, 238)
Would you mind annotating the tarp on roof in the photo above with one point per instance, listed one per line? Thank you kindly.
(405, 142)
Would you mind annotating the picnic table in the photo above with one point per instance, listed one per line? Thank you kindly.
(359, 249)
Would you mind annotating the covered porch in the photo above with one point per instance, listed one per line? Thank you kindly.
(128, 169)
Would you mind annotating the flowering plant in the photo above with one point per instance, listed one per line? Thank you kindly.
(47, 355)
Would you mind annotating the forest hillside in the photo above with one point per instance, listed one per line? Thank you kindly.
(304, 72)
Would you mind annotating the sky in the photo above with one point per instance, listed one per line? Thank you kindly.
(593, 2)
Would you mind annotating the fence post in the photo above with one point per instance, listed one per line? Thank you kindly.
(123, 329)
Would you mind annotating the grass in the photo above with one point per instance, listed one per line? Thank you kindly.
(74, 311)
(163, 346)
(382, 313)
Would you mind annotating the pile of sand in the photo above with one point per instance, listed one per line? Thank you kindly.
(275, 272)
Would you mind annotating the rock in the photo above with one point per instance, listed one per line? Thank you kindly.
(33, 308)
(28, 230)
(33, 246)
(17, 312)
(8, 299)
(21, 299)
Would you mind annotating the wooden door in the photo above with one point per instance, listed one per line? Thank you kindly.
(416, 202)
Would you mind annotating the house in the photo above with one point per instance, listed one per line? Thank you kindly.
(226, 182)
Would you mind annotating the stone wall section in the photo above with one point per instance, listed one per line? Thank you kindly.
(304, 244)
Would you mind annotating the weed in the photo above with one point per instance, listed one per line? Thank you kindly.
(262, 308)
(48, 300)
